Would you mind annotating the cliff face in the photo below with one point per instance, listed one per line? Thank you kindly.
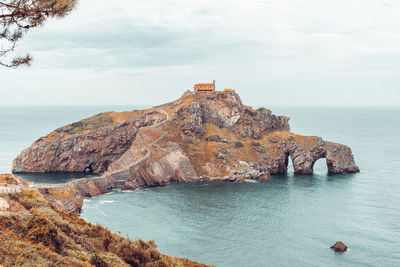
(196, 137)
(94, 143)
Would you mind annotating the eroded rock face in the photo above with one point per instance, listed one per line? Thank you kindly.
(191, 117)
(72, 200)
(174, 166)
(226, 110)
(197, 137)
(340, 159)
(223, 110)
(258, 123)
(73, 153)
(77, 146)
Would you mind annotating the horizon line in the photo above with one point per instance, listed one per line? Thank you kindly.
(152, 105)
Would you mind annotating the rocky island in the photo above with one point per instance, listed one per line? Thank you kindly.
(200, 136)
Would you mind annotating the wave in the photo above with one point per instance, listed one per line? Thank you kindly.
(107, 201)
(129, 191)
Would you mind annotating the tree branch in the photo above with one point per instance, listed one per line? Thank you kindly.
(18, 16)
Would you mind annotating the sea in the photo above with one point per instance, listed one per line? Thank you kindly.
(288, 220)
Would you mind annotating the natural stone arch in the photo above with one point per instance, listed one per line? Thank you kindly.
(339, 158)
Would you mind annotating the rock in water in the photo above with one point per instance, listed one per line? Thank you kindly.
(199, 136)
(339, 247)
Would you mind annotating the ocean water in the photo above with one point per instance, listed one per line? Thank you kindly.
(288, 220)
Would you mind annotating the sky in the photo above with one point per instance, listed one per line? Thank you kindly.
(273, 52)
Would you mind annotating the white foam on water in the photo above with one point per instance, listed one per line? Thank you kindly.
(107, 201)
(129, 191)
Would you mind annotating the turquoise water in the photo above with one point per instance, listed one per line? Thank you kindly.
(289, 220)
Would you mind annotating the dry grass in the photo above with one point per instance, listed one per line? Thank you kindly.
(60, 193)
(7, 179)
(42, 235)
(125, 115)
(172, 107)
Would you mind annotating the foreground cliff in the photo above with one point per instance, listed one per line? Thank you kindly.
(33, 232)
(196, 137)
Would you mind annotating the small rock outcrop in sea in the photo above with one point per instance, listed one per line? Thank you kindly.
(339, 247)
(200, 136)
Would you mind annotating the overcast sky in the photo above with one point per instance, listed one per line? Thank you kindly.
(274, 52)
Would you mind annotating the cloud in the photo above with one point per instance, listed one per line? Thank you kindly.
(263, 46)
(155, 33)
(125, 41)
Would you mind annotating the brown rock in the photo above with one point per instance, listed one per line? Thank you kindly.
(264, 176)
(305, 151)
(340, 159)
(91, 143)
(259, 149)
(92, 189)
(191, 119)
(60, 152)
(213, 138)
(339, 246)
(238, 144)
(261, 121)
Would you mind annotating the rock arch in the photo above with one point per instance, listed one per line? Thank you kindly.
(303, 153)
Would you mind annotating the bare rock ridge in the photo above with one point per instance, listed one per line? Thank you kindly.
(196, 137)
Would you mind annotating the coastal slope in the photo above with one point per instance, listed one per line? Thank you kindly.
(200, 136)
(34, 232)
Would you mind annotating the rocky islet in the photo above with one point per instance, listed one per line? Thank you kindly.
(200, 136)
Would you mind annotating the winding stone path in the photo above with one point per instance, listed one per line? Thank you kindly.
(117, 178)
(42, 186)
(122, 173)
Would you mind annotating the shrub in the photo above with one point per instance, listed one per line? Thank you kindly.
(136, 253)
(41, 230)
(98, 261)
(7, 179)
(29, 199)
(47, 236)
